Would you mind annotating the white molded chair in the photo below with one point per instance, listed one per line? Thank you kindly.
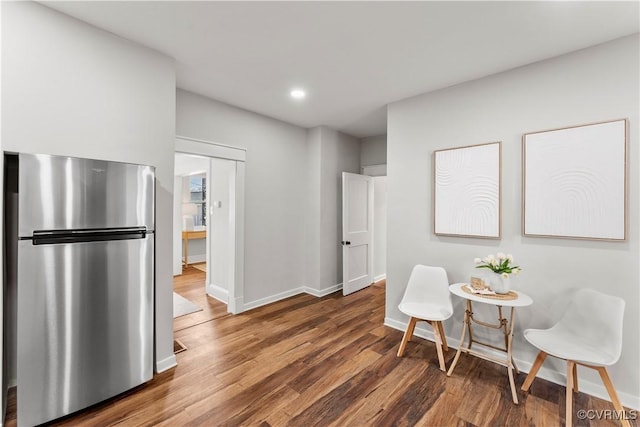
(588, 334)
(427, 298)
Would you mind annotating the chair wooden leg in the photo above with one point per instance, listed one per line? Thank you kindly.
(437, 334)
(612, 394)
(407, 335)
(534, 370)
(568, 415)
(575, 378)
(445, 346)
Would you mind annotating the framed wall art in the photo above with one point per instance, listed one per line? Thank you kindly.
(575, 182)
(467, 191)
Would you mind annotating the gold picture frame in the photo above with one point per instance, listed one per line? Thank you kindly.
(574, 183)
(467, 191)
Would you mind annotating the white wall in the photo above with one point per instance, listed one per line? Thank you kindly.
(312, 215)
(338, 153)
(275, 196)
(71, 89)
(373, 150)
(379, 227)
(591, 85)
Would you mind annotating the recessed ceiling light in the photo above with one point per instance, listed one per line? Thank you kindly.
(298, 94)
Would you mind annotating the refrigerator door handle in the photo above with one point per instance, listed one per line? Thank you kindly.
(52, 237)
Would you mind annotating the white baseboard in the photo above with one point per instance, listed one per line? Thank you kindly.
(395, 324)
(322, 292)
(272, 299)
(166, 364)
(380, 277)
(196, 259)
(560, 378)
(235, 305)
(218, 292)
(301, 290)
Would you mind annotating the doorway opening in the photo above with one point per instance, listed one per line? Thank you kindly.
(191, 177)
(364, 233)
(379, 177)
(190, 303)
(208, 231)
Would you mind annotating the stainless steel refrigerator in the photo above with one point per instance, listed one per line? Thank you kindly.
(85, 277)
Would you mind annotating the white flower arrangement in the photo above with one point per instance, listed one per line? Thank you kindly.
(500, 264)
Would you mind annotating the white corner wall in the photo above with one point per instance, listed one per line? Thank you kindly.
(373, 150)
(275, 190)
(329, 154)
(595, 84)
(379, 227)
(312, 215)
(339, 153)
(71, 89)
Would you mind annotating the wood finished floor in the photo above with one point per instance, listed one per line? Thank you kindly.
(309, 361)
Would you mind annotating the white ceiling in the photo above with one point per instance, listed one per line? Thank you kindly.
(353, 58)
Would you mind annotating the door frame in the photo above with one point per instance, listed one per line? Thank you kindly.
(186, 145)
(376, 172)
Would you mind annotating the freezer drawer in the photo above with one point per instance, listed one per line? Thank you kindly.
(58, 193)
(85, 324)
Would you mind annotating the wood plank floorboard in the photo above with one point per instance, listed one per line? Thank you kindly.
(329, 361)
(191, 286)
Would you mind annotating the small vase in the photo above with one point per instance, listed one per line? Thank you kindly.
(499, 284)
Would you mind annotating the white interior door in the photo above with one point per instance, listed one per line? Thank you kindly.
(357, 232)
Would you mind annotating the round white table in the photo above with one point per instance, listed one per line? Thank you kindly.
(522, 300)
